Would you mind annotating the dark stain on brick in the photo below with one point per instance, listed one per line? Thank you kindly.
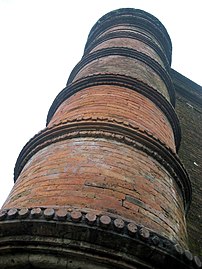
(134, 201)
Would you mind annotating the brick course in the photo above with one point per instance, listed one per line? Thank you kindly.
(125, 66)
(190, 115)
(105, 101)
(132, 29)
(130, 43)
(108, 148)
(105, 176)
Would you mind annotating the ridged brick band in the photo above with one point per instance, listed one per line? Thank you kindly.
(138, 18)
(130, 53)
(92, 127)
(106, 224)
(135, 36)
(123, 81)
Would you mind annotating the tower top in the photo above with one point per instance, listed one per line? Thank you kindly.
(132, 17)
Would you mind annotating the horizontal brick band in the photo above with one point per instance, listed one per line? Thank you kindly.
(133, 17)
(131, 53)
(136, 36)
(45, 220)
(124, 133)
(122, 81)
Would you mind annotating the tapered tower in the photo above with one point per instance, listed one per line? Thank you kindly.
(102, 185)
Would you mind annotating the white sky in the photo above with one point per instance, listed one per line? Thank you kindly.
(42, 40)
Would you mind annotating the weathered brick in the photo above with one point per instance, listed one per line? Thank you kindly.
(105, 102)
(106, 147)
(108, 176)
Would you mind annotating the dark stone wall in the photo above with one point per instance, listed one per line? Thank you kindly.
(189, 110)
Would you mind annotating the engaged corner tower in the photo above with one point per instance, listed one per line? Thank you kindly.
(102, 186)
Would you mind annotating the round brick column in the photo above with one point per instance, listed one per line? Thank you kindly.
(109, 148)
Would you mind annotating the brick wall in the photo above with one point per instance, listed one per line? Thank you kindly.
(189, 110)
(104, 176)
(105, 102)
(109, 148)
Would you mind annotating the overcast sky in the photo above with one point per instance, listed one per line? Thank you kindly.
(42, 40)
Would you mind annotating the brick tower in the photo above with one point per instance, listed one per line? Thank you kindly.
(102, 185)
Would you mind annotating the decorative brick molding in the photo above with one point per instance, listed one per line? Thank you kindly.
(132, 35)
(83, 228)
(129, 53)
(122, 132)
(122, 81)
(102, 185)
(138, 18)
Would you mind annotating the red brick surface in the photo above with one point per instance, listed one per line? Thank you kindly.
(125, 66)
(106, 101)
(133, 29)
(105, 176)
(130, 43)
